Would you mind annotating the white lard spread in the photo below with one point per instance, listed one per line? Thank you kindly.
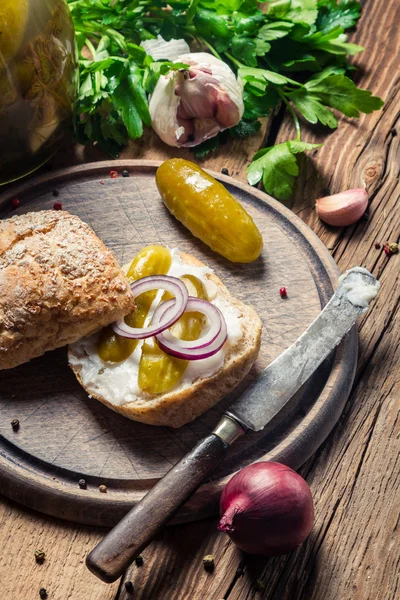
(362, 291)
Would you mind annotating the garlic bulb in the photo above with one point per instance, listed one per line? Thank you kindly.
(344, 208)
(159, 49)
(192, 105)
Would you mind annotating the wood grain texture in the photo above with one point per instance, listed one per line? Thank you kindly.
(86, 439)
(352, 553)
(63, 574)
(110, 559)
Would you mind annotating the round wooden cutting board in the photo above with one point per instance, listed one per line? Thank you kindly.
(65, 436)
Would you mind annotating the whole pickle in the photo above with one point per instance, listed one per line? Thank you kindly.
(208, 210)
(151, 260)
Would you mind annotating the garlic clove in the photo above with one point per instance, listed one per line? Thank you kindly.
(344, 208)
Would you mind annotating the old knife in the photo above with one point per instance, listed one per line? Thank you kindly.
(252, 411)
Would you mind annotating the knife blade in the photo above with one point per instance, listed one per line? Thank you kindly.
(259, 404)
(252, 411)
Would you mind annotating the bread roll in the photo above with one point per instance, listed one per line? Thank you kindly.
(58, 283)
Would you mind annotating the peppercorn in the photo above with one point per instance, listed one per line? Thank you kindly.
(43, 593)
(390, 249)
(125, 173)
(40, 556)
(56, 193)
(260, 585)
(82, 484)
(240, 569)
(129, 587)
(15, 202)
(139, 560)
(57, 206)
(208, 562)
(377, 245)
(283, 292)
(113, 174)
(103, 489)
(224, 171)
(15, 424)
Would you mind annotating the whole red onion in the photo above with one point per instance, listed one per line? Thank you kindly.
(267, 509)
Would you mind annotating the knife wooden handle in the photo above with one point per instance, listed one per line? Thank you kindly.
(110, 558)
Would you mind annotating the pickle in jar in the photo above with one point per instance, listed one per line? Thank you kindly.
(13, 20)
(208, 210)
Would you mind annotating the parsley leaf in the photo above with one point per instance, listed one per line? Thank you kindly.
(277, 167)
(295, 51)
(330, 14)
(245, 49)
(263, 76)
(335, 43)
(304, 12)
(245, 128)
(340, 92)
(274, 30)
(256, 106)
(204, 149)
(278, 8)
(312, 109)
(210, 23)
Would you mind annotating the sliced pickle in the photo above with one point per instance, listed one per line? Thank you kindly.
(112, 347)
(159, 372)
(151, 260)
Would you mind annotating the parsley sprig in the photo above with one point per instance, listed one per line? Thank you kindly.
(295, 53)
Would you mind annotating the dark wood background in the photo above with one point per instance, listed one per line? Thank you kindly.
(352, 553)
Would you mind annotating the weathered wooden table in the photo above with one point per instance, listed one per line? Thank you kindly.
(353, 551)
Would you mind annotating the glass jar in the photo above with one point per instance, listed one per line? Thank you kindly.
(38, 82)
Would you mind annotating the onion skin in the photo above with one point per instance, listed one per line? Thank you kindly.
(344, 208)
(267, 509)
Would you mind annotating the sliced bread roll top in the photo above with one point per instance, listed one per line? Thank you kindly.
(58, 282)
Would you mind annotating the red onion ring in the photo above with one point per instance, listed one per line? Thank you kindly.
(165, 282)
(207, 345)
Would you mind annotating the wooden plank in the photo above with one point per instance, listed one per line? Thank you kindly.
(63, 574)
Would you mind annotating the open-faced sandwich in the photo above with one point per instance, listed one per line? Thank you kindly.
(187, 344)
